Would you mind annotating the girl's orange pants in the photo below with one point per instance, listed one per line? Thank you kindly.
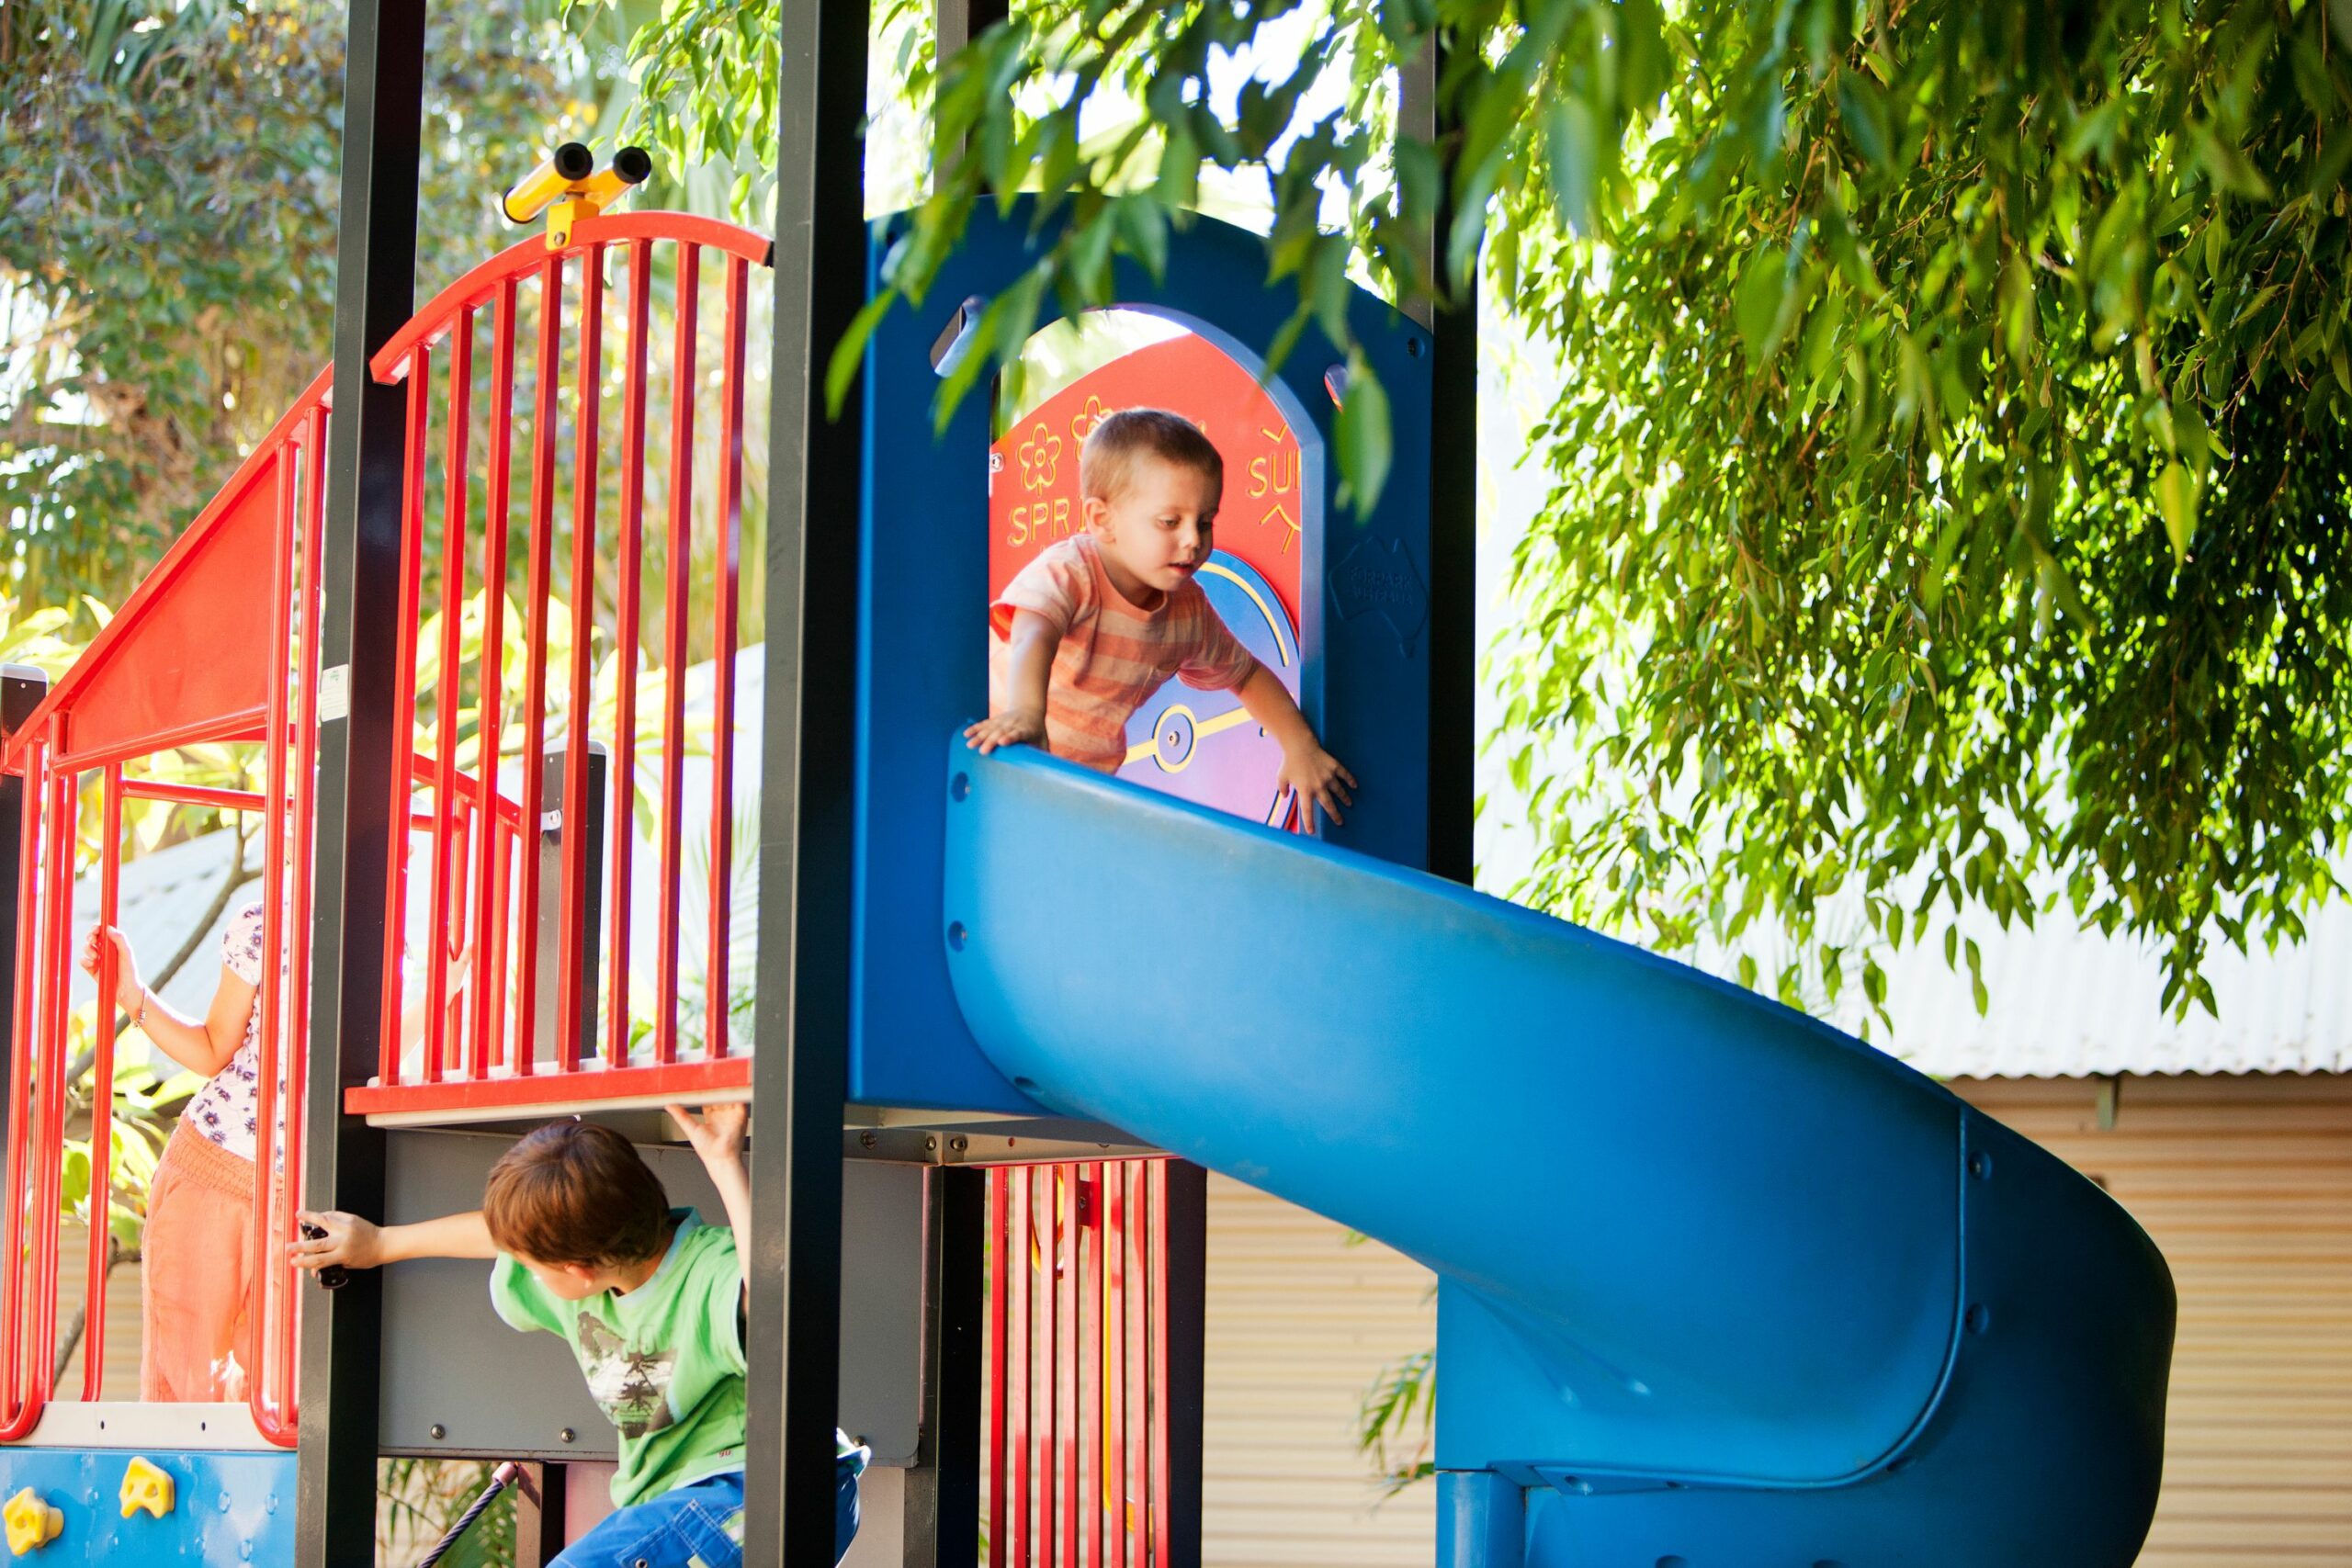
(198, 1313)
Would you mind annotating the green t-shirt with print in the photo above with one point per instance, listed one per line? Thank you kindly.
(664, 1362)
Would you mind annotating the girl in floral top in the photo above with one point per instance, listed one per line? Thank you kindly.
(200, 1307)
(199, 1317)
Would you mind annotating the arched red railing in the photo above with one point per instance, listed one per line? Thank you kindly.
(488, 888)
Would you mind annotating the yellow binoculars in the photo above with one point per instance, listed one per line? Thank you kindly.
(569, 186)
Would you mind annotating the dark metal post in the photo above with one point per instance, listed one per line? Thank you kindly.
(342, 1158)
(552, 981)
(539, 1515)
(1187, 1329)
(1454, 510)
(799, 1075)
(22, 687)
(942, 1499)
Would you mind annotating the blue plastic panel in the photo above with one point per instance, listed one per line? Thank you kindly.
(1713, 1275)
(231, 1509)
(923, 619)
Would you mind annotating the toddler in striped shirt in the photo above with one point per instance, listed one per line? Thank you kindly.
(1084, 634)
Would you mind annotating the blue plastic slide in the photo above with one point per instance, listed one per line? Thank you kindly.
(1720, 1287)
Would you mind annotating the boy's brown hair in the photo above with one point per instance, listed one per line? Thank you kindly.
(575, 1192)
(1107, 460)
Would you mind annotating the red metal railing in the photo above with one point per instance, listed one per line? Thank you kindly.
(483, 875)
(1075, 1416)
(275, 496)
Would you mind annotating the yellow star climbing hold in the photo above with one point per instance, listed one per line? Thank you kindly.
(31, 1522)
(146, 1486)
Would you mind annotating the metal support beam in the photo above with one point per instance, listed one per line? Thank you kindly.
(1481, 1521)
(1453, 506)
(799, 1077)
(539, 1506)
(1187, 1330)
(582, 980)
(343, 1158)
(961, 21)
(943, 1497)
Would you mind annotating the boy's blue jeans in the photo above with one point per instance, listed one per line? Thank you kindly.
(694, 1527)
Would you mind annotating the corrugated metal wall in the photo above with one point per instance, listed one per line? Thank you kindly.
(1300, 1322)
(2246, 1184)
(122, 1317)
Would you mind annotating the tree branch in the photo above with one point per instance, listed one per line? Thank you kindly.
(238, 874)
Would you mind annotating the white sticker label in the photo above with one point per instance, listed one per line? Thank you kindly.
(334, 693)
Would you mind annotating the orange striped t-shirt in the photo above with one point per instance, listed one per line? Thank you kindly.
(1112, 655)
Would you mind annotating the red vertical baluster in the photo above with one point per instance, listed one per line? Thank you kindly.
(502, 886)
(445, 744)
(1017, 1264)
(51, 1152)
(676, 564)
(572, 939)
(1085, 1496)
(1156, 1176)
(308, 603)
(1073, 1354)
(1049, 1430)
(722, 721)
(1000, 1414)
(1114, 1361)
(93, 1289)
(490, 975)
(1140, 1399)
(410, 589)
(270, 1100)
(535, 663)
(15, 1287)
(622, 778)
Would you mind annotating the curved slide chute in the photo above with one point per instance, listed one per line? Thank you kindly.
(1718, 1284)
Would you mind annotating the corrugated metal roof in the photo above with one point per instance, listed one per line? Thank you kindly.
(2069, 1003)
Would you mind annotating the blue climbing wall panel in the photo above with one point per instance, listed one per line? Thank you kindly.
(228, 1509)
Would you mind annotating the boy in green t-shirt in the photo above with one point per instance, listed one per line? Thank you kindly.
(651, 1300)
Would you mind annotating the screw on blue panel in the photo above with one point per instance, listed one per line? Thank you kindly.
(957, 934)
(959, 788)
(1980, 1165)
(1980, 1318)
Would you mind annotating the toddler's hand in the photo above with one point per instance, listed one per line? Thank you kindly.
(349, 1240)
(717, 1133)
(1008, 728)
(1318, 778)
(126, 988)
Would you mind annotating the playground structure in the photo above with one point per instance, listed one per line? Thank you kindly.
(1718, 1285)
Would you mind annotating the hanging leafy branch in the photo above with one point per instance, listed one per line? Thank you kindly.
(1948, 491)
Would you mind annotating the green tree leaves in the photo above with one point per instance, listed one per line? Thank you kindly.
(167, 245)
(1950, 497)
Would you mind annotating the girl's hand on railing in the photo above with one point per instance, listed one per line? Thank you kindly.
(128, 989)
(348, 1239)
